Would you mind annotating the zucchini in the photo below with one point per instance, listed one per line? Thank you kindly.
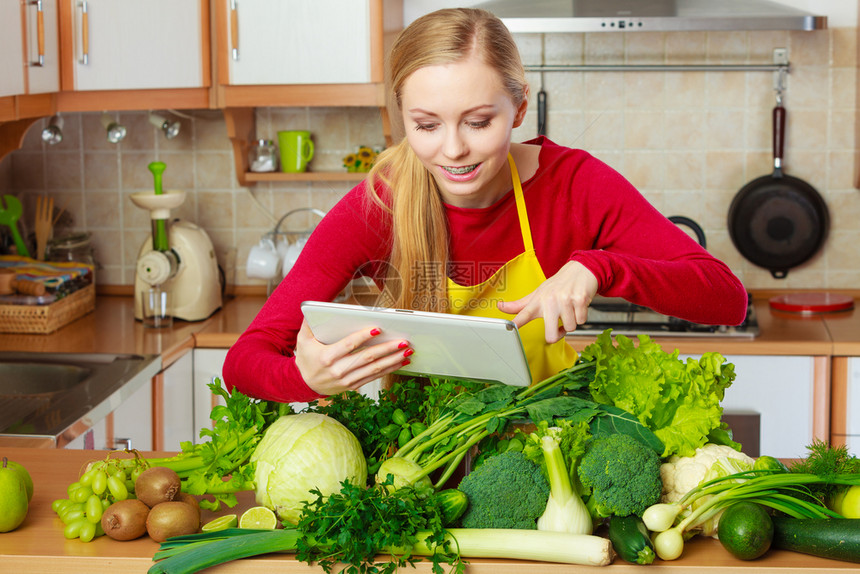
(835, 538)
(629, 537)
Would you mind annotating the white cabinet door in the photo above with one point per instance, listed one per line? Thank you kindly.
(852, 407)
(207, 366)
(298, 41)
(781, 390)
(95, 438)
(42, 54)
(132, 419)
(137, 44)
(178, 381)
(11, 49)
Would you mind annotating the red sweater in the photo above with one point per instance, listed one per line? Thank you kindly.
(578, 208)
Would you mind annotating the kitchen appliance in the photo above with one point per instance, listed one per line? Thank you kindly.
(541, 16)
(178, 257)
(625, 318)
(778, 221)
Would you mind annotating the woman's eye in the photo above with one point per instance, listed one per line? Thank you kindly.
(425, 127)
(478, 125)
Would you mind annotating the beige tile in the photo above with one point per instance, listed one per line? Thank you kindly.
(810, 48)
(715, 210)
(685, 90)
(727, 47)
(644, 130)
(71, 133)
(806, 130)
(600, 130)
(63, 170)
(843, 43)
(724, 129)
(762, 44)
(842, 130)
(290, 119)
(133, 217)
(844, 210)
(842, 166)
(101, 170)
(134, 171)
(94, 136)
(843, 88)
(644, 169)
(249, 214)
(141, 134)
(567, 128)
(684, 170)
(210, 133)
(530, 47)
(645, 90)
(686, 47)
(102, 209)
(365, 128)
(843, 249)
(329, 129)
(601, 48)
(808, 87)
(724, 170)
(564, 91)
(759, 129)
(725, 89)
(564, 48)
(179, 173)
(604, 91)
(214, 170)
(216, 209)
(646, 48)
(686, 203)
(684, 129)
(760, 92)
(810, 166)
(107, 244)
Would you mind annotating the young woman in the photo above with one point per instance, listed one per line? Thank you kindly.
(456, 218)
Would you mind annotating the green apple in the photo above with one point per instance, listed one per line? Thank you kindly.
(13, 498)
(25, 476)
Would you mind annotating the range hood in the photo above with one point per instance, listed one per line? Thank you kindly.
(539, 16)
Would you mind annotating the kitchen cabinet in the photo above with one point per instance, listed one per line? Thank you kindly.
(276, 42)
(207, 365)
(133, 421)
(845, 406)
(29, 58)
(790, 394)
(178, 391)
(133, 44)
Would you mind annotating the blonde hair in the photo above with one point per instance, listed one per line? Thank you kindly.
(419, 255)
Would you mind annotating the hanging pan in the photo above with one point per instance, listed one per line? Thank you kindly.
(778, 221)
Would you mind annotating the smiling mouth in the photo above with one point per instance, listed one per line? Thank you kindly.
(460, 170)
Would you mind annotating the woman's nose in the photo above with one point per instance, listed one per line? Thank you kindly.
(454, 145)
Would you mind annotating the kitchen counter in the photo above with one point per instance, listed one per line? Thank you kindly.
(38, 544)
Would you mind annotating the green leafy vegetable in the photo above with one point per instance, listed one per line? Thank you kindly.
(679, 401)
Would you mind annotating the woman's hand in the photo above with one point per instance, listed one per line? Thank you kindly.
(563, 297)
(346, 365)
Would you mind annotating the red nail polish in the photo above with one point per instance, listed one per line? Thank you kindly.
(402, 345)
(374, 332)
(408, 352)
(405, 362)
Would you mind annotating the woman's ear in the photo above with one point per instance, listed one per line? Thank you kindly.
(521, 110)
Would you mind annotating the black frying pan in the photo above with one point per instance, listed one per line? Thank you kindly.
(778, 221)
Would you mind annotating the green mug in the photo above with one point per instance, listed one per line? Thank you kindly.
(297, 149)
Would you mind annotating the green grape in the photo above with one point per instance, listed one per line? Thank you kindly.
(82, 494)
(60, 504)
(71, 516)
(94, 508)
(72, 488)
(87, 531)
(99, 481)
(117, 488)
(87, 478)
(73, 529)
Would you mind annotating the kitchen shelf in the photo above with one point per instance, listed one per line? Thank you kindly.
(255, 177)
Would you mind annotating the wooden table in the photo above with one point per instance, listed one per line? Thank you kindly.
(38, 546)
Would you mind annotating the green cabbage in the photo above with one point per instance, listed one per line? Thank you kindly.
(303, 452)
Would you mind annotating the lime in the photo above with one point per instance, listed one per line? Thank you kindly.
(221, 523)
(259, 518)
(745, 530)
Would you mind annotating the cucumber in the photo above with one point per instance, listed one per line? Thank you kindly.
(835, 538)
(629, 537)
(453, 503)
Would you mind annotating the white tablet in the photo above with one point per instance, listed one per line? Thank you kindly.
(445, 345)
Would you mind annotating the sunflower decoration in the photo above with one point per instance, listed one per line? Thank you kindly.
(360, 161)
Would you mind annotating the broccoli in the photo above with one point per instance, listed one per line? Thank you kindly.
(622, 475)
(506, 491)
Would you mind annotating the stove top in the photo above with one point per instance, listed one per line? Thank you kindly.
(625, 318)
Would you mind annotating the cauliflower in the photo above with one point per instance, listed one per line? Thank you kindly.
(680, 474)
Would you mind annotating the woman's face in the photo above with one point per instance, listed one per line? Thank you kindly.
(458, 120)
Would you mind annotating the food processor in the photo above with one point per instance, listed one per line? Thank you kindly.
(178, 257)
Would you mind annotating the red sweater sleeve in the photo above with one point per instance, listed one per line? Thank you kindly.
(261, 362)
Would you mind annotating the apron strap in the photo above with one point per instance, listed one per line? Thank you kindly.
(521, 206)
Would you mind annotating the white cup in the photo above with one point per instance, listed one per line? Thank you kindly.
(156, 308)
(263, 260)
(291, 255)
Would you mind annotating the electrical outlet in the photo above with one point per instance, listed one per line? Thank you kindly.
(780, 56)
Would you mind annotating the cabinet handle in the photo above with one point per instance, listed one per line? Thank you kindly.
(40, 33)
(122, 443)
(85, 34)
(234, 29)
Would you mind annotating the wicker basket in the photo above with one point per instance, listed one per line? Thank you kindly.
(45, 319)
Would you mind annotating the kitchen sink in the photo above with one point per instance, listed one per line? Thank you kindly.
(24, 378)
(52, 398)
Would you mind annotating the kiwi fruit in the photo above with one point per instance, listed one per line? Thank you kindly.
(172, 518)
(156, 485)
(189, 499)
(125, 519)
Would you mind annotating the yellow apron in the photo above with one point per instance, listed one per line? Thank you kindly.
(514, 280)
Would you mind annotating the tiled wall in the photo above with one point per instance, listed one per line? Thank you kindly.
(688, 140)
